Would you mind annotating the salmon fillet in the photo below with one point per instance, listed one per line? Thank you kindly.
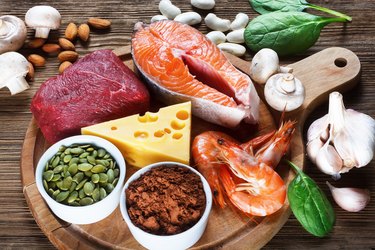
(181, 64)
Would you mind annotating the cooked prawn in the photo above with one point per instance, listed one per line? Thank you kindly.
(244, 173)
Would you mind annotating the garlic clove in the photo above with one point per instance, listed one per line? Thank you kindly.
(313, 148)
(350, 199)
(329, 161)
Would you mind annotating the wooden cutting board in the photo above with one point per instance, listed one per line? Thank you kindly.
(326, 71)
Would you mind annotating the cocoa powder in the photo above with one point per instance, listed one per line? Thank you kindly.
(166, 200)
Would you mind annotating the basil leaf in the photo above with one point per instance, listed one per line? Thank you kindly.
(285, 32)
(310, 205)
(267, 6)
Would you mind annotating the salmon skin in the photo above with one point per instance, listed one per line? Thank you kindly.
(180, 64)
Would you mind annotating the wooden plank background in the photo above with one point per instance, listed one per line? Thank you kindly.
(352, 230)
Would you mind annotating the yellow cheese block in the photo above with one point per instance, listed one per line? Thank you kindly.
(153, 137)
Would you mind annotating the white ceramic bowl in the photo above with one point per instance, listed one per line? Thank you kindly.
(83, 214)
(182, 240)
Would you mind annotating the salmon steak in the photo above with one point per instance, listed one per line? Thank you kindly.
(180, 64)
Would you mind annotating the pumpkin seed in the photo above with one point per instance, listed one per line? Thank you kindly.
(73, 168)
(94, 153)
(107, 156)
(102, 193)
(98, 169)
(83, 160)
(74, 204)
(73, 160)
(85, 146)
(101, 152)
(103, 178)
(62, 148)
(109, 188)
(67, 158)
(115, 181)
(46, 167)
(52, 185)
(81, 194)
(86, 201)
(56, 161)
(80, 185)
(45, 184)
(62, 196)
(48, 175)
(56, 177)
(116, 171)
(88, 188)
(58, 169)
(73, 186)
(85, 167)
(96, 194)
(84, 155)
(73, 196)
(55, 193)
(90, 149)
(67, 182)
(50, 192)
(91, 160)
(88, 173)
(76, 151)
(67, 151)
(95, 178)
(78, 177)
(111, 175)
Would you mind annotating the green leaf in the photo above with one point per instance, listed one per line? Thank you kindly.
(267, 6)
(310, 205)
(285, 32)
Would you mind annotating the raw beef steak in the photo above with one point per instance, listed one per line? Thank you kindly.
(97, 88)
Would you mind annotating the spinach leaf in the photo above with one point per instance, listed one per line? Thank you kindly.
(310, 205)
(267, 6)
(285, 32)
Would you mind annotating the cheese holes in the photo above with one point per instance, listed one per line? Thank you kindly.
(167, 130)
(113, 128)
(177, 125)
(182, 115)
(177, 136)
(148, 117)
(159, 133)
(140, 135)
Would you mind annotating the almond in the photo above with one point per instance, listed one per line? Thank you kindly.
(99, 23)
(66, 44)
(30, 75)
(36, 43)
(71, 31)
(84, 32)
(36, 60)
(68, 55)
(51, 48)
(63, 66)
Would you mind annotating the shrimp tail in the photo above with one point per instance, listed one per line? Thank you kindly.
(254, 144)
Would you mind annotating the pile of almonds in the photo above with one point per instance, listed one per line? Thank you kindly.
(65, 49)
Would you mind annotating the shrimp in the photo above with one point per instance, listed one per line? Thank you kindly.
(258, 190)
(246, 178)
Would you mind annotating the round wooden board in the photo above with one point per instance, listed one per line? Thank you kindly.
(226, 227)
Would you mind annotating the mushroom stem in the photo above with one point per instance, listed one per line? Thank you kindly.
(287, 83)
(42, 32)
(17, 85)
(283, 69)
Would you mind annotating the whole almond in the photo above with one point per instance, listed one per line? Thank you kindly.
(36, 60)
(71, 31)
(51, 48)
(99, 23)
(63, 66)
(36, 43)
(68, 55)
(66, 44)
(84, 32)
(31, 73)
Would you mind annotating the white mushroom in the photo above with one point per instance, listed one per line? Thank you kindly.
(13, 69)
(216, 37)
(168, 9)
(216, 23)
(190, 18)
(12, 33)
(239, 22)
(283, 91)
(236, 36)
(43, 18)
(203, 4)
(265, 63)
(235, 49)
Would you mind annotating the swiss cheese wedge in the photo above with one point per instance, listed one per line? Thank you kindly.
(153, 137)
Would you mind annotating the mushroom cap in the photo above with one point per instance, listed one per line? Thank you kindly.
(265, 63)
(12, 33)
(12, 64)
(284, 97)
(43, 16)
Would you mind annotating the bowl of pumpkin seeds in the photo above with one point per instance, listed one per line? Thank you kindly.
(81, 178)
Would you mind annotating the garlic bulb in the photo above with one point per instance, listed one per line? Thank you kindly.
(350, 199)
(342, 139)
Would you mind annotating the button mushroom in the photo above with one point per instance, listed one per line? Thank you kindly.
(265, 63)
(43, 18)
(13, 69)
(12, 33)
(284, 91)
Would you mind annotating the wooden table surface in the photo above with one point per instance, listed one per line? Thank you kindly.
(352, 230)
